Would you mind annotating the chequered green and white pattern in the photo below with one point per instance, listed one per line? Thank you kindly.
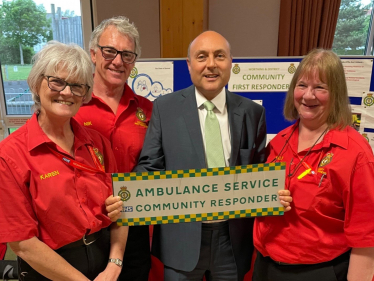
(203, 217)
(198, 172)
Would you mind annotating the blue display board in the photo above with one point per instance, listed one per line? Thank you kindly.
(272, 101)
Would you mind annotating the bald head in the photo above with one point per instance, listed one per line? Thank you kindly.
(207, 34)
(209, 63)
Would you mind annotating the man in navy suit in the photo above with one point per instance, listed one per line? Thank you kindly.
(175, 140)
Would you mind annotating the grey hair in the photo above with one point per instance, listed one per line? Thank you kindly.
(123, 26)
(55, 57)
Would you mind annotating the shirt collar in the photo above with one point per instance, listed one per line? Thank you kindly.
(219, 101)
(334, 136)
(127, 96)
(36, 135)
(337, 137)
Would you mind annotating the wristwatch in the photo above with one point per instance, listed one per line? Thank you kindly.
(116, 261)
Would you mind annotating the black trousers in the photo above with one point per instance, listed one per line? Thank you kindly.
(90, 260)
(137, 258)
(266, 269)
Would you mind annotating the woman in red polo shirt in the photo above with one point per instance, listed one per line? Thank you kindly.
(328, 235)
(54, 181)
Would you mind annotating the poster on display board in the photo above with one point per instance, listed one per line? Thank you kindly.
(358, 75)
(152, 79)
(367, 108)
(261, 77)
(357, 113)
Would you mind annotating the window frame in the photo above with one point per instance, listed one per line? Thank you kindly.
(369, 40)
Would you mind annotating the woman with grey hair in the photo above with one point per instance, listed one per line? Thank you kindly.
(56, 199)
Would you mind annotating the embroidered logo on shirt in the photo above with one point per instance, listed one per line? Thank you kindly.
(140, 114)
(88, 123)
(124, 193)
(49, 175)
(99, 156)
(327, 159)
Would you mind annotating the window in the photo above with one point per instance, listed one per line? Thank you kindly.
(353, 35)
(46, 20)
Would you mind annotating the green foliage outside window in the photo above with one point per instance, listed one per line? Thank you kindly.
(23, 24)
(352, 28)
(10, 53)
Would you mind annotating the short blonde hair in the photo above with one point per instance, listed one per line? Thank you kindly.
(330, 70)
(54, 57)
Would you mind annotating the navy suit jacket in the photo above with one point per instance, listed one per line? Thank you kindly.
(174, 142)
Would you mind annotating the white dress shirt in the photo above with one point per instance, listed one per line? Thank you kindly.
(223, 118)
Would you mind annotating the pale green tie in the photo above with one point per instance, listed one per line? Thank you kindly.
(213, 141)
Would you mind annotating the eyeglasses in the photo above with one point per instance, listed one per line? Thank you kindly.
(58, 84)
(109, 53)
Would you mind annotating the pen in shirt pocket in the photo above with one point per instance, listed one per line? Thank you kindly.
(321, 171)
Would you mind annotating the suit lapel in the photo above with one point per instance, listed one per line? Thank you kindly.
(236, 115)
(191, 117)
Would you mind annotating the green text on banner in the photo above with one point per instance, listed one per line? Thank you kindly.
(199, 195)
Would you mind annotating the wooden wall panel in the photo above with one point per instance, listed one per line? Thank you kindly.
(180, 22)
(193, 19)
(171, 28)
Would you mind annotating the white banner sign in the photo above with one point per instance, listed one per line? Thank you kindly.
(199, 195)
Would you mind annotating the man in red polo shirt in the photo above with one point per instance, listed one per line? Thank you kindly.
(121, 116)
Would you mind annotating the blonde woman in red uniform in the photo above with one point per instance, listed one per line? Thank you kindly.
(54, 182)
(328, 235)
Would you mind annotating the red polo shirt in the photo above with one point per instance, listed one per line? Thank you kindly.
(331, 209)
(126, 129)
(42, 196)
